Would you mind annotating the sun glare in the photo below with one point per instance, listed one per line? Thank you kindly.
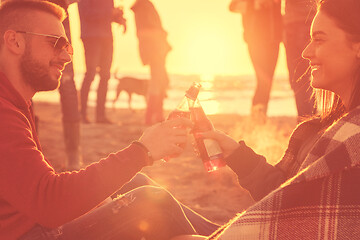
(207, 78)
(211, 107)
(207, 51)
(207, 82)
(201, 44)
(208, 102)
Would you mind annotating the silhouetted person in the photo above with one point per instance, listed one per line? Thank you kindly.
(262, 22)
(95, 20)
(297, 22)
(153, 47)
(69, 105)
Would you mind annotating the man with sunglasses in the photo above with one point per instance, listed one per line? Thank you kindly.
(35, 201)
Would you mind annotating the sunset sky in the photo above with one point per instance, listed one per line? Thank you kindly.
(206, 39)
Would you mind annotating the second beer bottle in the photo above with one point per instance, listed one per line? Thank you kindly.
(209, 150)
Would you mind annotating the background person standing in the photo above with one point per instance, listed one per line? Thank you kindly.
(262, 22)
(95, 21)
(297, 21)
(69, 104)
(153, 48)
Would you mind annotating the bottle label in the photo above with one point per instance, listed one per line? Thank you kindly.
(178, 114)
(212, 147)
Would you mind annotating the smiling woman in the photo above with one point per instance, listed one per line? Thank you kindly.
(313, 191)
(331, 73)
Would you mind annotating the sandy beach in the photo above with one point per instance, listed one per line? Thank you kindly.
(216, 195)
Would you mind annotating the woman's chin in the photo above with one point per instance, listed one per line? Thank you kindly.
(317, 81)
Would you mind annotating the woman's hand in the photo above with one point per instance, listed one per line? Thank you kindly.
(166, 138)
(227, 144)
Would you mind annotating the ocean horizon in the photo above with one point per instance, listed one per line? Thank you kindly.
(218, 95)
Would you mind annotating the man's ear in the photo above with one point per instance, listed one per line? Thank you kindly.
(14, 42)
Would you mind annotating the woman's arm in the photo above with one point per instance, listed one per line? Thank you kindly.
(254, 173)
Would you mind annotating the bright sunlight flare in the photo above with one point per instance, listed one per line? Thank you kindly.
(207, 51)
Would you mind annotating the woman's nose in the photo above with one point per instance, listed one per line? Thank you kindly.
(307, 52)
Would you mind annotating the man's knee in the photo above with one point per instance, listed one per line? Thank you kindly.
(152, 196)
(142, 179)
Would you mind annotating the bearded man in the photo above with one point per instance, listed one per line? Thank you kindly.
(35, 201)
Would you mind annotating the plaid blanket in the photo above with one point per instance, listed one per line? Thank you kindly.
(322, 201)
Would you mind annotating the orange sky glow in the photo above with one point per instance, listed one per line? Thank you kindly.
(206, 40)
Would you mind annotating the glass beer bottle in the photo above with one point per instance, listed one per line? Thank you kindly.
(183, 109)
(210, 151)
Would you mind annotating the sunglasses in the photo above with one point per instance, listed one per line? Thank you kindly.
(60, 44)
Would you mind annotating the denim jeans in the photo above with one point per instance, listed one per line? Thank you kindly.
(159, 83)
(201, 225)
(148, 212)
(264, 58)
(262, 33)
(98, 54)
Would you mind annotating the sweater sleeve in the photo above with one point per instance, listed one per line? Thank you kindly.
(254, 173)
(32, 187)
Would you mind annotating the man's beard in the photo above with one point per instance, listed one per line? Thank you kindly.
(37, 75)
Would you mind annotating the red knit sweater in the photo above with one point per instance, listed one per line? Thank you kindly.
(31, 192)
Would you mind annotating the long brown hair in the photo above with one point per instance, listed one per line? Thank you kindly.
(346, 14)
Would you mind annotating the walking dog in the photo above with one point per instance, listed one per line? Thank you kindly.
(131, 85)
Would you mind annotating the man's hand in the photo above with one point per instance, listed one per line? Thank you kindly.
(166, 138)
